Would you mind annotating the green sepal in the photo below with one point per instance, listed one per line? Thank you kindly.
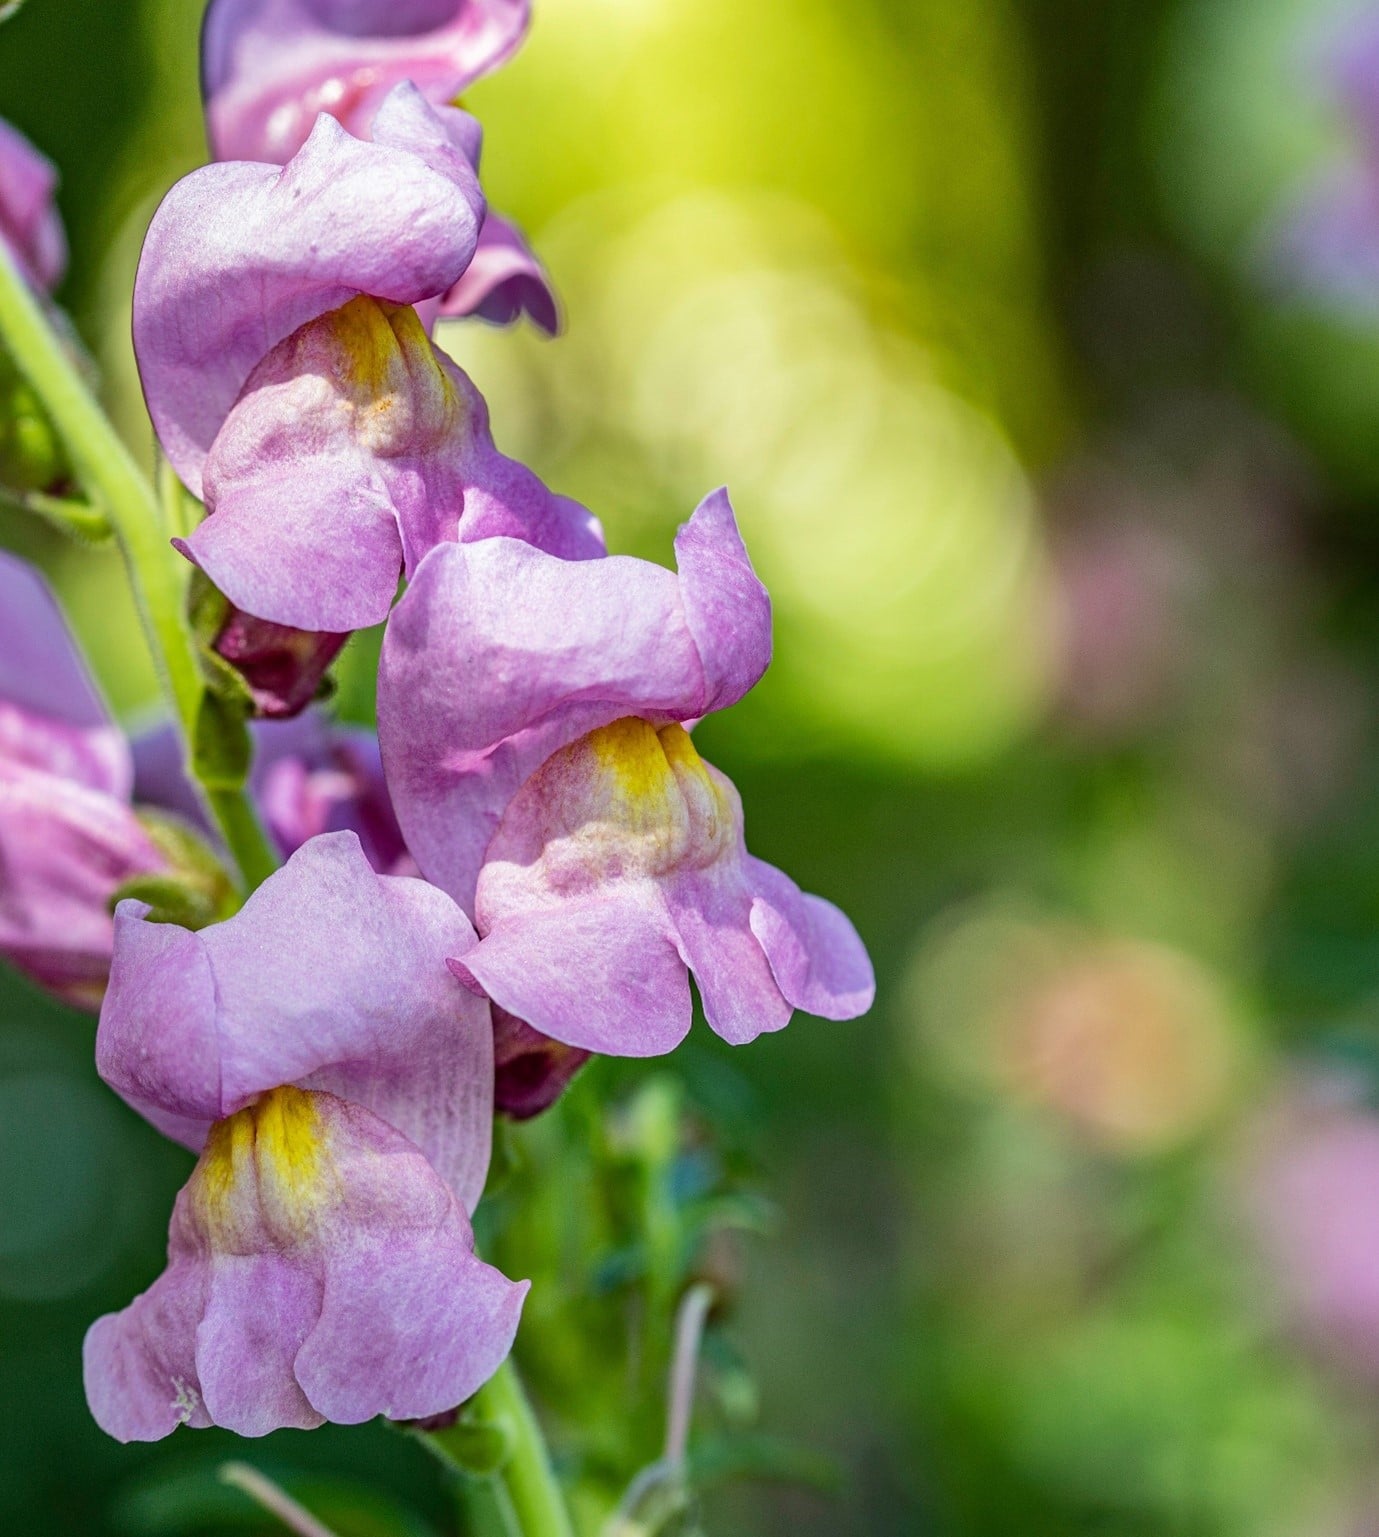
(32, 457)
(80, 520)
(472, 1447)
(194, 891)
(221, 748)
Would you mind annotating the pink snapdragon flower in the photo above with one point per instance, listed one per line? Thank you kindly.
(30, 229)
(337, 1083)
(532, 715)
(69, 836)
(269, 67)
(292, 382)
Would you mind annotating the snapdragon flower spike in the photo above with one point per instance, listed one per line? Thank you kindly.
(532, 718)
(338, 1083)
(293, 384)
(30, 229)
(269, 67)
(69, 838)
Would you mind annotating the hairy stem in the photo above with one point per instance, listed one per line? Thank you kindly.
(111, 478)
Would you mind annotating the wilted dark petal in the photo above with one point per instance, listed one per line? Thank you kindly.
(282, 667)
(531, 1071)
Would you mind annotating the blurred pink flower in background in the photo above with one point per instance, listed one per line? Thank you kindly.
(1311, 1194)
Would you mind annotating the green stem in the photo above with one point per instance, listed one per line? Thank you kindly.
(109, 475)
(528, 1495)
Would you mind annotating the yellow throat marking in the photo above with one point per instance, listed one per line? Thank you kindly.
(266, 1166)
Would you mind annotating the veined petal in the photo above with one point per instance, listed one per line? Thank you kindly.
(270, 66)
(619, 864)
(318, 1268)
(498, 655)
(240, 256)
(331, 977)
(355, 449)
(504, 281)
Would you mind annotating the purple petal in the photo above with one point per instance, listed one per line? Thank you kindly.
(601, 975)
(157, 1044)
(620, 863)
(326, 779)
(140, 1365)
(259, 1310)
(318, 1268)
(818, 960)
(331, 977)
(411, 1323)
(356, 448)
(497, 656)
(270, 66)
(64, 852)
(504, 281)
(51, 714)
(711, 911)
(30, 228)
(240, 256)
(726, 607)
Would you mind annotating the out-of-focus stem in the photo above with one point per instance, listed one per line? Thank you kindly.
(533, 1493)
(110, 477)
(689, 1335)
(277, 1502)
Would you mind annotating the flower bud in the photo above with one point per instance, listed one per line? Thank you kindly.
(282, 668)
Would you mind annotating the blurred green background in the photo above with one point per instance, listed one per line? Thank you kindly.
(1071, 516)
